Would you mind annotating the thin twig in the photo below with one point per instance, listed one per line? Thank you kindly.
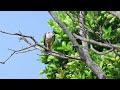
(21, 49)
(14, 52)
(19, 34)
(8, 58)
(26, 51)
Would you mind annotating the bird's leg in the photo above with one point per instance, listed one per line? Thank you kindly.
(47, 47)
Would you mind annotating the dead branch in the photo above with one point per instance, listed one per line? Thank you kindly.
(8, 58)
(20, 34)
(15, 52)
(23, 51)
(35, 46)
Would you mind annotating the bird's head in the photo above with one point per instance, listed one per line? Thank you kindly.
(49, 34)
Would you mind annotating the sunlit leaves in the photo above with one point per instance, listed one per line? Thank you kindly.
(107, 28)
(118, 30)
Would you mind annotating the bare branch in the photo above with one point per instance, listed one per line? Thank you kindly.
(15, 52)
(54, 53)
(101, 53)
(36, 46)
(20, 34)
(8, 58)
(25, 51)
(97, 43)
(60, 55)
(22, 49)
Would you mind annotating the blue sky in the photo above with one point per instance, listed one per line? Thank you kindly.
(25, 65)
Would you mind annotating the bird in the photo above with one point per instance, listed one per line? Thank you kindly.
(49, 38)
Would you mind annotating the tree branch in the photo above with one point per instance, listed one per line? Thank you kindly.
(36, 46)
(20, 34)
(15, 52)
(101, 53)
(71, 37)
(91, 64)
(97, 43)
(8, 58)
(63, 56)
(115, 13)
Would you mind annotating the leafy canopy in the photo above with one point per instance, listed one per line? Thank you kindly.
(106, 28)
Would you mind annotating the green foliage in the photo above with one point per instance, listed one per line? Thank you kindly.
(107, 28)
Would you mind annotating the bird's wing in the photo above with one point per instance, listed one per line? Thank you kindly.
(45, 40)
(53, 38)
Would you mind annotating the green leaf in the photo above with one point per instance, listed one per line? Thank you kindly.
(103, 12)
(69, 46)
(57, 31)
(109, 16)
(112, 20)
(53, 66)
(109, 29)
(50, 58)
(83, 76)
(101, 63)
(117, 58)
(70, 63)
(91, 14)
(60, 48)
(42, 71)
(106, 14)
(86, 72)
(76, 54)
(65, 36)
(102, 57)
(99, 17)
(73, 77)
(43, 59)
(63, 44)
(118, 30)
(52, 23)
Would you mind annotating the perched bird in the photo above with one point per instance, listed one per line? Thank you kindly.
(49, 38)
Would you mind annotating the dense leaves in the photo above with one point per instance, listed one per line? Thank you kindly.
(101, 26)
